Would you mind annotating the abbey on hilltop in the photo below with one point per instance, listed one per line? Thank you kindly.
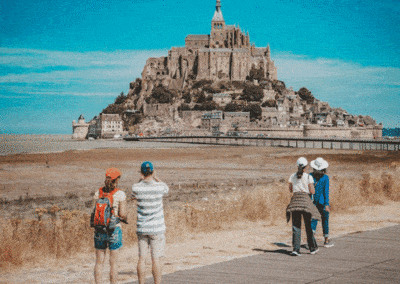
(221, 84)
(224, 54)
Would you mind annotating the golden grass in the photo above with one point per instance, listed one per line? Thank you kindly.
(63, 233)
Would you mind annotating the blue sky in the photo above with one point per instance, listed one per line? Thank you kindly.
(59, 59)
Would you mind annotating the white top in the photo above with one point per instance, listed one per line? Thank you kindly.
(118, 197)
(301, 185)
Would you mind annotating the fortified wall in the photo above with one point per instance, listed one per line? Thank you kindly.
(366, 132)
(317, 131)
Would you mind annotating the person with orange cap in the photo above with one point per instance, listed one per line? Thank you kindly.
(111, 238)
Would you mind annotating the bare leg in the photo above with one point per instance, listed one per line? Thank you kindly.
(100, 256)
(141, 270)
(113, 266)
(156, 270)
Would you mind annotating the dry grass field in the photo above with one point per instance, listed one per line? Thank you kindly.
(224, 202)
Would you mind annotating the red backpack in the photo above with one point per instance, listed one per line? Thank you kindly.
(103, 218)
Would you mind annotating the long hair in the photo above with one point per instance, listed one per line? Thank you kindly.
(319, 173)
(300, 171)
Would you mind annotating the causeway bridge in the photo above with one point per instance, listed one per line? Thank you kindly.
(316, 143)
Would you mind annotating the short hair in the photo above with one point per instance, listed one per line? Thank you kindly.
(146, 173)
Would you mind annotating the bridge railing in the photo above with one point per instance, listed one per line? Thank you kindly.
(320, 143)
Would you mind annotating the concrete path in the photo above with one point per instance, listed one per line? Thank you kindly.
(365, 257)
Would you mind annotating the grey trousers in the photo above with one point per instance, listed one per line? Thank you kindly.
(296, 223)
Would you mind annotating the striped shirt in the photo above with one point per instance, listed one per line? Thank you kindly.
(150, 213)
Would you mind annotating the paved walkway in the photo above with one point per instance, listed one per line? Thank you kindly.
(365, 257)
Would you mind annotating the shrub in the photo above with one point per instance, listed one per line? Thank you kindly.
(255, 111)
(232, 107)
(306, 95)
(269, 103)
(201, 83)
(120, 99)
(252, 93)
(161, 95)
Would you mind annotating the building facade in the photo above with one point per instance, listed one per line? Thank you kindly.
(224, 54)
(106, 126)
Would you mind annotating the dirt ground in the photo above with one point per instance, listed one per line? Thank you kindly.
(69, 179)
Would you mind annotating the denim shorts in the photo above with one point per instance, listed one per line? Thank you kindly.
(111, 240)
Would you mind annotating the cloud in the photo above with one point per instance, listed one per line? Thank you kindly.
(53, 72)
(32, 58)
(367, 90)
(356, 88)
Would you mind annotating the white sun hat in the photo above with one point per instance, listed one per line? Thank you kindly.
(319, 164)
(302, 162)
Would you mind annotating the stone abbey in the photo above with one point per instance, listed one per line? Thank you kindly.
(224, 54)
(209, 87)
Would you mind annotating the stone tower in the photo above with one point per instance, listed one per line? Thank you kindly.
(80, 129)
(217, 27)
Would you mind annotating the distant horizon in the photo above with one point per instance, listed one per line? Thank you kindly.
(68, 58)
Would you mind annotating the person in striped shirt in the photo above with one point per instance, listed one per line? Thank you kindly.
(150, 229)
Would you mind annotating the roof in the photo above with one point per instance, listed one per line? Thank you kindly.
(237, 113)
(110, 117)
(229, 27)
(197, 37)
(221, 95)
(218, 16)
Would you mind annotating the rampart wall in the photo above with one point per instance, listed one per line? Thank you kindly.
(316, 131)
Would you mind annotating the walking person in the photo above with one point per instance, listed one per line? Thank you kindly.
(301, 206)
(149, 194)
(110, 209)
(321, 197)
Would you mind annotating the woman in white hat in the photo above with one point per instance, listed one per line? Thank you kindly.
(301, 184)
(321, 197)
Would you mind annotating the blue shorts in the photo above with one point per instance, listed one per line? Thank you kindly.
(112, 240)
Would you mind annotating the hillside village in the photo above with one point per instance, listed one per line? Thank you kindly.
(221, 84)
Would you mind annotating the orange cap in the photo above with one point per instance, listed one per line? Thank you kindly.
(113, 173)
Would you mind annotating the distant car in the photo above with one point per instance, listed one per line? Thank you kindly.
(91, 139)
(116, 136)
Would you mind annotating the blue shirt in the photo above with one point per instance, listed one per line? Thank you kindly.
(321, 186)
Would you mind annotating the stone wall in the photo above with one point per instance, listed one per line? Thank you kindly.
(368, 132)
(159, 110)
(277, 132)
(316, 131)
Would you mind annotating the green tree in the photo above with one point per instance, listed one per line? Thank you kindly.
(256, 74)
(208, 106)
(201, 98)
(161, 95)
(114, 109)
(252, 93)
(278, 86)
(232, 107)
(120, 99)
(255, 111)
(183, 106)
(269, 103)
(306, 95)
(186, 97)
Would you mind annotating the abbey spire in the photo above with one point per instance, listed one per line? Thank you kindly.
(218, 21)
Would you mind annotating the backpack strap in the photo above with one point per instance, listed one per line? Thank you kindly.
(109, 195)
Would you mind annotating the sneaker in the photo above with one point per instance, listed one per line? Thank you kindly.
(328, 244)
(295, 253)
(314, 251)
